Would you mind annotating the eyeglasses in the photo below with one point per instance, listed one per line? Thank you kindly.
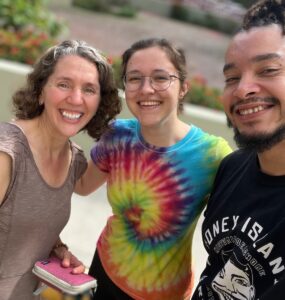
(159, 80)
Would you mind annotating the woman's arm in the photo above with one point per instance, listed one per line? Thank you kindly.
(92, 179)
(5, 174)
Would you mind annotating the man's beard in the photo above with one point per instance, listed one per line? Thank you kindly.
(258, 142)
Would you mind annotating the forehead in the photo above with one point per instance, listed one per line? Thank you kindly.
(256, 42)
(150, 59)
(74, 63)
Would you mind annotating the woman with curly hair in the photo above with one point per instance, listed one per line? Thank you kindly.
(70, 88)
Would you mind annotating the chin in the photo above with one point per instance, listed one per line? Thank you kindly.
(259, 141)
(69, 133)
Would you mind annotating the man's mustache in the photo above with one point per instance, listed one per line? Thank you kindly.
(269, 100)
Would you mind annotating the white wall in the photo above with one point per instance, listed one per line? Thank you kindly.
(13, 75)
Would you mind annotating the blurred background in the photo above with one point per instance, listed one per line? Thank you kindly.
(202, 28)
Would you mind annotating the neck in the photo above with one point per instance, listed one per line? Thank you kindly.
(272, 162)
(41, 139)
(164, 136)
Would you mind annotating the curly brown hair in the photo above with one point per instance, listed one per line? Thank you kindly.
(265, 12)
(26, 100)
(175, 55)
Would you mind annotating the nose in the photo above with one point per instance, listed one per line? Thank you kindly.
(146, 85)
(246, 88)
(75, 96)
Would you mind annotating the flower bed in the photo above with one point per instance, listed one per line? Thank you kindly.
(24, 46)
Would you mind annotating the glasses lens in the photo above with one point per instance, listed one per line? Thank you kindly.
(133, 81)
(160, 80)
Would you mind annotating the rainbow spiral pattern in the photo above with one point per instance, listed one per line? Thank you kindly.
(156, 195)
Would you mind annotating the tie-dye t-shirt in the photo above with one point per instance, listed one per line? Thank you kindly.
(156, 194)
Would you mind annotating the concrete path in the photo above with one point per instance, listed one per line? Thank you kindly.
(204, 48)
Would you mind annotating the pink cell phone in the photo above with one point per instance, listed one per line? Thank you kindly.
(51, 272)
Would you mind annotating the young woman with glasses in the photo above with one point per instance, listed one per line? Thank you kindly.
(159, 170)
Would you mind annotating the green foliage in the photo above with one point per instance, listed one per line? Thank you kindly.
(201, 94)
(126, 11)
(245, 3)
(27, 29)
(17, 15)
(178, 12)
(123, 8)
(224, 25)
(98, 5)
(194, 16)
(116, 63)
(23, 46)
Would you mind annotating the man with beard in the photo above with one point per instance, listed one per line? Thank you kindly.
(245, 215)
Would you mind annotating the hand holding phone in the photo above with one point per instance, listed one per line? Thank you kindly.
(52, 273)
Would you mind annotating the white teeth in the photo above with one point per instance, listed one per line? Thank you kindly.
(149, 103)
(71, 116)
(251, 110)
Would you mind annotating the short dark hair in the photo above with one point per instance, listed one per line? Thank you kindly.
(265, 12)
(175, 55)
(26, 100)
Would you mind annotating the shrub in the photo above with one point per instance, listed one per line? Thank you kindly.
(23, 46)
(179, 12)
(205, 19)
(27, 30)
(202, 94)
(116, 64)
(245, 3)
(17, 15)
(99, 5)
(126, 11)
(123, 8)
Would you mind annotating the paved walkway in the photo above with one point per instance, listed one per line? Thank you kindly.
(204, 48)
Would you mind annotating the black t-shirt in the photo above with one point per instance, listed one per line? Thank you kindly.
(244, 233)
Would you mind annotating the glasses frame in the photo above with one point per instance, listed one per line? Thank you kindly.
(172, 77)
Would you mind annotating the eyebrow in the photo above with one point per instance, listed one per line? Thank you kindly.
(258, 58)
(70, 79)
(155, 70)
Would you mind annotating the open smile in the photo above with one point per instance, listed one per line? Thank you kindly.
(253, 107)
(71, 115)
(250, 111)
(149, 104)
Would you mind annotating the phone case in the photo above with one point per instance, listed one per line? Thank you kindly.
(53, 274)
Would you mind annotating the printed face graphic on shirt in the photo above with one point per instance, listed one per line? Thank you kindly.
(234, 281)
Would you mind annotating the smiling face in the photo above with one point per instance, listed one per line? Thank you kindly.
(151, 107)
(254, 98)
(71, 96)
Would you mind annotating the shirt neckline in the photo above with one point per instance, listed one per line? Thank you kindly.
(186, 139)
